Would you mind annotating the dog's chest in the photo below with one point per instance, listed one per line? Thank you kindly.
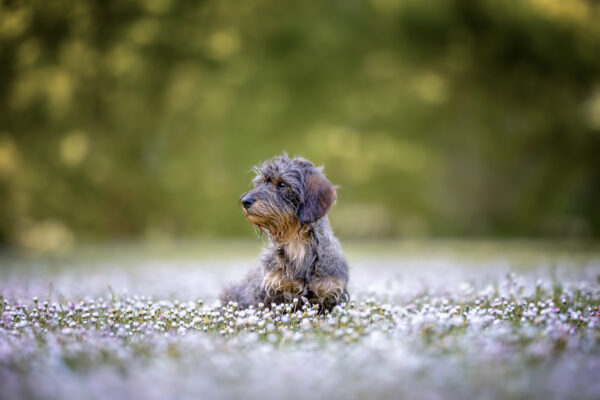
(294, 253)
(289, 275)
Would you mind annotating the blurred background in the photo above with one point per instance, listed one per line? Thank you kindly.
(126, 120)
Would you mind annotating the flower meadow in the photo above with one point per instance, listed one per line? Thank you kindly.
(420, 325)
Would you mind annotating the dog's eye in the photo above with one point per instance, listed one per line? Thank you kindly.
(281, 185)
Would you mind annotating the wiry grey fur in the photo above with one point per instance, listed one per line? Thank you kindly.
(303, 258)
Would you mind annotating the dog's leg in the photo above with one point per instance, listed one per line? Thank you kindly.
(328, 291)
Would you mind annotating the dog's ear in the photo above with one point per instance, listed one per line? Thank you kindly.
(319, 196)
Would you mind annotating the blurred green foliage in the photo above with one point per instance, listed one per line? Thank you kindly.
(448, 117)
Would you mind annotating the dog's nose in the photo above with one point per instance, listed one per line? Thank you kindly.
(247, 201)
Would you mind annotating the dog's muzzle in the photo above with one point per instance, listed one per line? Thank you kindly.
(247, 202)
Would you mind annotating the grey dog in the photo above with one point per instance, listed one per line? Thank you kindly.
(289, 203)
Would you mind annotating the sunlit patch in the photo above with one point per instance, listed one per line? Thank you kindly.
(144, 31)
(8, 157)
(123, 59)
(576, 10)
(59, 87)
(46, 236)
(156, 6)
(74, 148)
(592, 109)
(14, 21)
(224, 44)
(430, 88)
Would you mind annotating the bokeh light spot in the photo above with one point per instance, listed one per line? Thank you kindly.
(46, 236)
(592, 109)
(430, 88)
(224, 44)
(156, 6)
(8, 157)
(74, 148)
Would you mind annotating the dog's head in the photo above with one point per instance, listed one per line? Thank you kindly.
(288, 194)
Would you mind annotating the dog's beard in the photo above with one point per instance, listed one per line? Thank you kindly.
(281, 225)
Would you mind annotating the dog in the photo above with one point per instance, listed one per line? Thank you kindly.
(303, 259)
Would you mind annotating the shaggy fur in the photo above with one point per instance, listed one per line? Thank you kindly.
(289, 203)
